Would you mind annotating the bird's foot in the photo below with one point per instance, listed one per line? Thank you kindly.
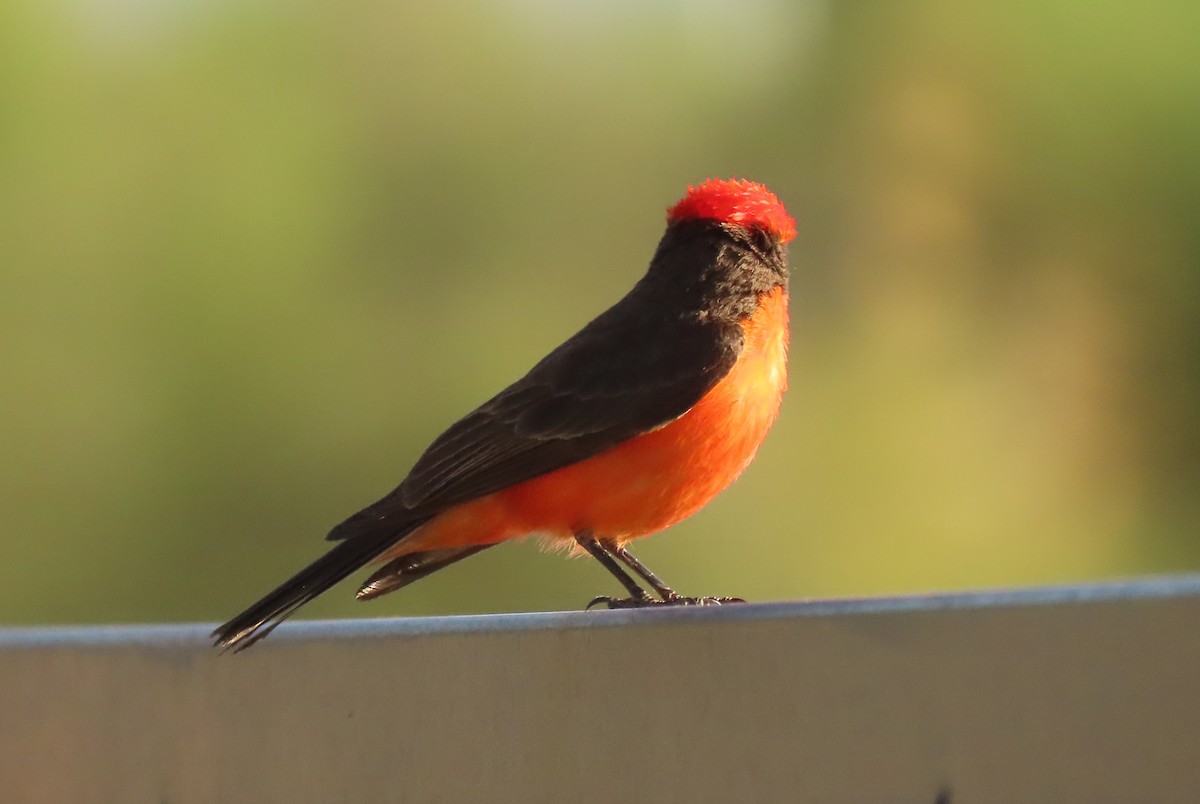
(647, 601)
(621, 602)
(680, 600)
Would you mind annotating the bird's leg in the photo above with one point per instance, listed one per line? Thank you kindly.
(637, 595)
(669, 596)
(628, 559)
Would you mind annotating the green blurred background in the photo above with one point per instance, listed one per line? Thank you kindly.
(256, 255)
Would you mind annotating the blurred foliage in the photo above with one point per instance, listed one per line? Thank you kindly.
(254, 256)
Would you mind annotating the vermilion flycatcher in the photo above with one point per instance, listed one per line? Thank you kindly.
(631, 425)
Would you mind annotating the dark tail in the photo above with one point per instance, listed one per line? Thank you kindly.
(257, 621)
(402, 571)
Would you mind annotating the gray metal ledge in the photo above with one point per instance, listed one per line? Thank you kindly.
(1067, 694)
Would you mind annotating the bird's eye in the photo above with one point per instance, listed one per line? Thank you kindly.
(761, 239)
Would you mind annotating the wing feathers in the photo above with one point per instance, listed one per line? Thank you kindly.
(599, 388)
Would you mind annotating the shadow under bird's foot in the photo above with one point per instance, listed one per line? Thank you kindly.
(647, 601)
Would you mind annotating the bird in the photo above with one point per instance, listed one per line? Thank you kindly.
(631, 425)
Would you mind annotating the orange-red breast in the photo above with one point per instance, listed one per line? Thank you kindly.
(634, 423)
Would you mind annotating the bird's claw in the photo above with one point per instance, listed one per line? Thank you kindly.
(701, 601)
(646, 601)
(621, 602)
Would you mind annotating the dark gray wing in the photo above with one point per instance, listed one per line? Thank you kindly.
(615, 379)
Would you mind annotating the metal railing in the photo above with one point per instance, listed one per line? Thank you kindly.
(1072, 694)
